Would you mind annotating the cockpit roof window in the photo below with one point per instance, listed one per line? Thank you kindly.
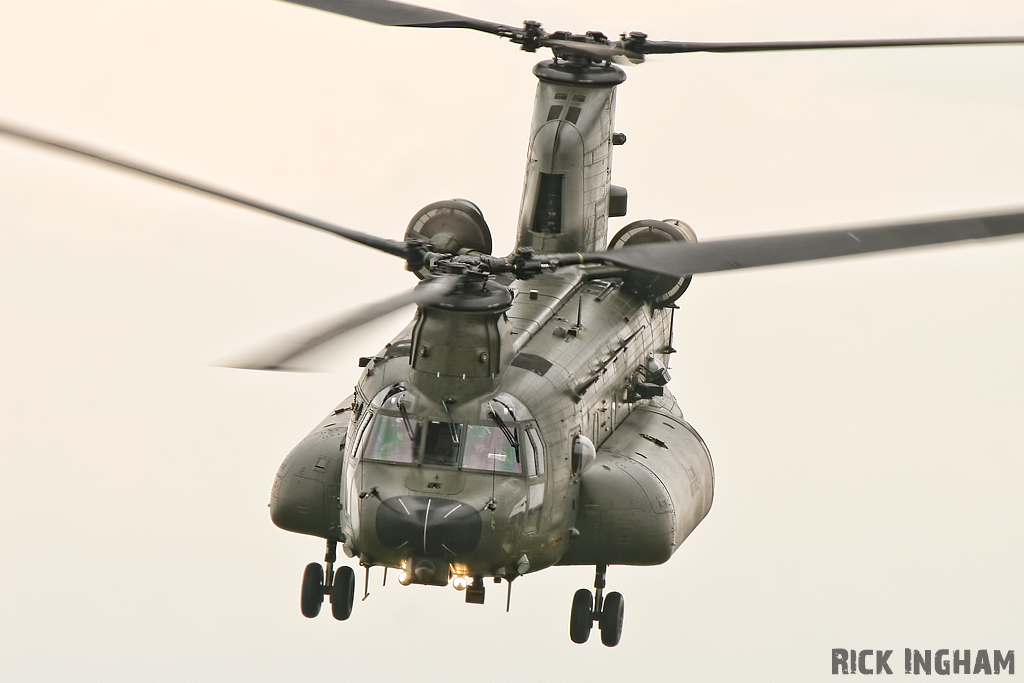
(390, 398)
(508, 407)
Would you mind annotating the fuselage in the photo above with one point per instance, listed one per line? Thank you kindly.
(518, 431)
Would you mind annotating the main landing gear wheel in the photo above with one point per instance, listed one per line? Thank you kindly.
(343, 593)
(312, 590)
(611, 619)
(581, 618)
(589, 607)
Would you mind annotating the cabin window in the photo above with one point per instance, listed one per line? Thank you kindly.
(554, 112)
(547, 215)
(583, 454)
(487, 448)
(573, 115)
(390, 440)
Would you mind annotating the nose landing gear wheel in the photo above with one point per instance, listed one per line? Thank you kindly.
(581, 618)
(343, 593)
(312, 590)
(611, 619)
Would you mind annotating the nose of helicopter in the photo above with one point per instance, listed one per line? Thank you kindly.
(427, 526)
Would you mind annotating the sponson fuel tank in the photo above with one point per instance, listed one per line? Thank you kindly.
(649, 487)
(306, 494)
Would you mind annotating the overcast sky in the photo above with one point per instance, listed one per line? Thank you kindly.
(864, 416)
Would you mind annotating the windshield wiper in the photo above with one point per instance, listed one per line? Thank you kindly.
(509, 434)
(405, 417)
(447, 403)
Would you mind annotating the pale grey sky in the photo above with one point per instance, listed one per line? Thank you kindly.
(864, 416)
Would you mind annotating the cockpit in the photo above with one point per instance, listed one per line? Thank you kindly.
(502, 439)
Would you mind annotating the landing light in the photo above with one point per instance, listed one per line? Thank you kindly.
(404, 577)
(459, 579)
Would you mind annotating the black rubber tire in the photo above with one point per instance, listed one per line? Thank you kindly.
(581, 617)
(343, 593)
(611, 619)
(312, 590)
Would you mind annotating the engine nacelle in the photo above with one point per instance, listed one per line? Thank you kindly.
(450, 227)
(661, 290)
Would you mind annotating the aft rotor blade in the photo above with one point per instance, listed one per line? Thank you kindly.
(672, 47)
(391, 13)
(688, 258)
(380, 243)
(278, 356)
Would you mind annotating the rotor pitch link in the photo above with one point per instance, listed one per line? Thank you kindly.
(524, 263)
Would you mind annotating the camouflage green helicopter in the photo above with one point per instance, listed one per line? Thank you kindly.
(522, 419)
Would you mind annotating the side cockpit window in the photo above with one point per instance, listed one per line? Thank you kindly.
(532, 451)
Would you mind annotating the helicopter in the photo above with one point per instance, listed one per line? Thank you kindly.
(611, 375)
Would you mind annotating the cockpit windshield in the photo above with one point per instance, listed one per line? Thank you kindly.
(487, 448)
(499, 443)
(389, 440)
(475, 447)
(441, 443)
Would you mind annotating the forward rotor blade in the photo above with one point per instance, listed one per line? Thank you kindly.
(380, 243)
(673, 47)
(278, 356)
(688, 258)
(391, 13)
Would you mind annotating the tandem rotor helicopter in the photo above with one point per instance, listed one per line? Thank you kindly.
(522, 419)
